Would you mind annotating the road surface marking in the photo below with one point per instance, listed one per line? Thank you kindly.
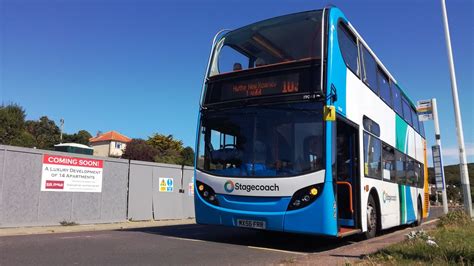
(279, 250)
(186, 239)
(74, 237)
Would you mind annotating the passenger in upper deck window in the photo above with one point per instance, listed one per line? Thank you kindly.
(237, 67)
(259, 62)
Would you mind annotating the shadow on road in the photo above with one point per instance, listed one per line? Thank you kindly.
(256, 238)
(248, 237)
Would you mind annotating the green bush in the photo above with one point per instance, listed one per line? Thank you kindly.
(454, 218)
(451, 243)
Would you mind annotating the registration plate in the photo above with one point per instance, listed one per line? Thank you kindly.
(251, 224)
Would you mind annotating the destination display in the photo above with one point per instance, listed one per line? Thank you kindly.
(260, 87)
(269, 85)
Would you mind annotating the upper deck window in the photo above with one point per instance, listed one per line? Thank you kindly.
(370, 70)
(277, 40)
(407, 111)
(397, 98)
(414, 118)
(348, 46)
(384, 87)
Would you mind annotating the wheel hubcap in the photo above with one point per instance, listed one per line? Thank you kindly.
(371, 217)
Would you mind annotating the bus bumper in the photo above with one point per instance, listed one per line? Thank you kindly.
(319, 218)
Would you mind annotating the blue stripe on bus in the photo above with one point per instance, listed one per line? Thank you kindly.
(337, 70)
(409, 205)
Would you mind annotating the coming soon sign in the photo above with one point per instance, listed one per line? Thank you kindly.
(71, 174)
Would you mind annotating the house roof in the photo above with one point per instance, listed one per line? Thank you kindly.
(111, 136)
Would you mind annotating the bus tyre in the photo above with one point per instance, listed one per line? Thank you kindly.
(372, 218)
(419, 216)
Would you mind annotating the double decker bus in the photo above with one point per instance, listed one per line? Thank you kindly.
(302, 129)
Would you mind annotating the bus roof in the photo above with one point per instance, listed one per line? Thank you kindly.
(379, 62)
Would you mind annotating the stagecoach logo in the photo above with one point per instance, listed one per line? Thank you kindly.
(388, 198)
(229, 186)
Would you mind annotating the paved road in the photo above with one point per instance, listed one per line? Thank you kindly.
(170, 245)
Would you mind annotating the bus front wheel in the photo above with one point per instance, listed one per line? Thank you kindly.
(372, 218)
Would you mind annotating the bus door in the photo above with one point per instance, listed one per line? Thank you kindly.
(347, 175)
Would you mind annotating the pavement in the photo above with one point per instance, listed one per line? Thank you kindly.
(15, 231)
(182, 243)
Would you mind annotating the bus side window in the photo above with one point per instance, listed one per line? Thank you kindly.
(371, 126)
(407, 111)
(388, 161)
(348, 47)
(372, 156)
(414, 118)
(397, 99)
(400, 174)
(384, 87)
(411, 177)
(370, 70)
(419, 174)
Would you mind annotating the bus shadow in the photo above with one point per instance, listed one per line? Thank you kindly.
(247, 237)
(262, 239)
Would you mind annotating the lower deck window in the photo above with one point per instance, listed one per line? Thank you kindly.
(372, 156)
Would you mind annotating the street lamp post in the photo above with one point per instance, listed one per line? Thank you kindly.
(457, 113)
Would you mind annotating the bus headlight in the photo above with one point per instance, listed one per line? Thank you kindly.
(207, 193)
(305, 196)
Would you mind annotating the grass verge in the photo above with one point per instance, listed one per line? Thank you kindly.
(450, 243)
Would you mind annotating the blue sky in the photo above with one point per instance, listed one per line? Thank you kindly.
(137, 66)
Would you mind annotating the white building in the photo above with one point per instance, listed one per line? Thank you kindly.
(109, 144)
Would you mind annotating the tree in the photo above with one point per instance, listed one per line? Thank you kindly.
(12, 123)
(82, 137)
(169, 149)
(161, 149)
(25, 139)
(45, 132)
(452, 177)
(165, 143)
(138, 149)
(187, 156)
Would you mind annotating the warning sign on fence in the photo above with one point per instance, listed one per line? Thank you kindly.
(166, 184)
(71, 174)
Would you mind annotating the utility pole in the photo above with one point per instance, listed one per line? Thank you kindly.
(61, 121)
(457, 113)
(444, 196)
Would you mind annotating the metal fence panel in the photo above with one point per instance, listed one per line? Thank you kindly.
(188, 195)
(54, 207)
(140, 191)
(167, 204)
(21, 188)
(86, 207)
(2, 177)
(114, 191)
